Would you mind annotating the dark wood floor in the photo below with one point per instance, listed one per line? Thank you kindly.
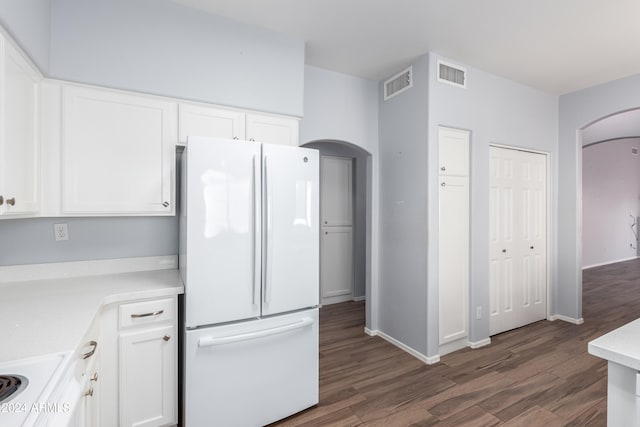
(539, 375)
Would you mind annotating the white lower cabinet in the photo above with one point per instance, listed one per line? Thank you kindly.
(147, 365)
(141, 357)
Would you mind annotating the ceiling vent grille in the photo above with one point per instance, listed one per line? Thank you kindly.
(452, 74)
(398, 83)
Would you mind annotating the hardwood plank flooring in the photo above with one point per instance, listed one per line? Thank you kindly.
(538, 375)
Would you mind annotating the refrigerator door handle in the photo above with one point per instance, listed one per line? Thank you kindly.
(211, 342)
(267, 235)
(257, 244)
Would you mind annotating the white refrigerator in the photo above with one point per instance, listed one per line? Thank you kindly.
(249, 258)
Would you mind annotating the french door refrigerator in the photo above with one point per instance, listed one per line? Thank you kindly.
(249, 258)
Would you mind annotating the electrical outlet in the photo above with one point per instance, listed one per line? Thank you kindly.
(478, 313)
(60, 231)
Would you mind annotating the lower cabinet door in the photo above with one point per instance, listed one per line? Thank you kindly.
(148, 377)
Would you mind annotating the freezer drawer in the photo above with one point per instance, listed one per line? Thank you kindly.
(253, 373)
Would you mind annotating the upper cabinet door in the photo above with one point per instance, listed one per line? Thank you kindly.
(196, 120)
(118, 153)
(453, 157)
(272, 129)
(19, 145)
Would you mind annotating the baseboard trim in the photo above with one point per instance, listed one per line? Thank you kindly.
(429, 360)
(362, 298)
(481, 343)
(568, 319)
(601, 264)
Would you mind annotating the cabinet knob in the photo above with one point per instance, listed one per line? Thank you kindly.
(166, 337)
(442, 168)
(531, 247)
(504, 251)
(444, 184)
(88, 392)
(252, 140)
(165, 204)
(236, 138)
(11, 201)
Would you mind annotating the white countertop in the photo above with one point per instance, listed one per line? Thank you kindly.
(621, 345)
(51, 313)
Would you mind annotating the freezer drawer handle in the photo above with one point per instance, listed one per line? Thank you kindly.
(209, 341)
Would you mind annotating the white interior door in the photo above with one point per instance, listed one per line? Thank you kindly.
(336, 259)
(518, 238)
(291, 226)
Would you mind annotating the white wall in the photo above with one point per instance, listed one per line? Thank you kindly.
(577, 110)
(610, 201)
(496, 111)
(160, 47)
(29, 22)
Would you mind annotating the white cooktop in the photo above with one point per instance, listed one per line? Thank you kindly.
(25, 407)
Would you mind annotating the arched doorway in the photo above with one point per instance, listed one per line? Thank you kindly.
(609, 204)
(362, 214)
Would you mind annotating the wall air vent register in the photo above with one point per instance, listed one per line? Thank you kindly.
(452, 74)
(398, 83)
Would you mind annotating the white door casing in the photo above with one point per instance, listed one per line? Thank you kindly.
(336, 239)
(517, 238)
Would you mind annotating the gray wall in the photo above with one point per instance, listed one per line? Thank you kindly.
(496, 111)
(610, 201)
(403, 212)
(31, 241)
(577, 110)
(29, 22)
(160, 47)
(153, 46)
(344, 108)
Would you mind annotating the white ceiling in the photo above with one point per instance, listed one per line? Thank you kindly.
(558, 46)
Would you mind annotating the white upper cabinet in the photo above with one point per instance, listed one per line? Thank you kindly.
(19, 146)
(197, 120)
(272, 129)
(118, 153)
(209, 121)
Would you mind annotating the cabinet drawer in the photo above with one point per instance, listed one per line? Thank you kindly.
(147, 312)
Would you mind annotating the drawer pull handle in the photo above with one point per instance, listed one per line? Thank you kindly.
(11, 201)
(153, 313)
(90, 353)
(94, 377)
(88, 392)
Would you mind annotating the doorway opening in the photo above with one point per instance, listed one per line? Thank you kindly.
(338, 157)
(610, 188)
